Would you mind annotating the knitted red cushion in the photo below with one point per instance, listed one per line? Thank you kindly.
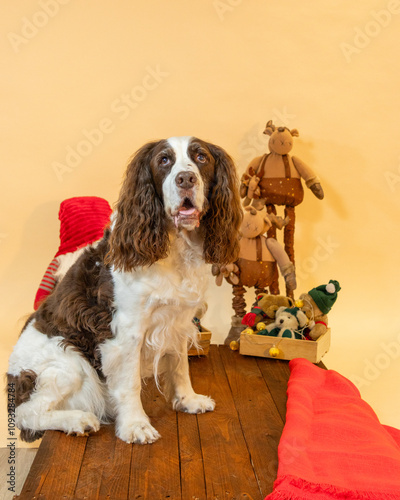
(83, 220)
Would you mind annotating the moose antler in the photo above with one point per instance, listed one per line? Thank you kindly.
(269, 128)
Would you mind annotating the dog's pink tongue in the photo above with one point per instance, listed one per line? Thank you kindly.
(186, 214)
(189, 211)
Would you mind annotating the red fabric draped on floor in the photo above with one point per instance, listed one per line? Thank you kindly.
(333, 445)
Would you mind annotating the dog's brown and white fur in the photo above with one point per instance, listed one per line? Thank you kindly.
(124, 310)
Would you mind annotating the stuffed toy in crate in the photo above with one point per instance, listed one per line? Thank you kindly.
(265, 308)
(289, 323)
(300, 331)
(316, 304)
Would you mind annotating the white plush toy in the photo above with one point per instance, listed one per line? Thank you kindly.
(289, 323)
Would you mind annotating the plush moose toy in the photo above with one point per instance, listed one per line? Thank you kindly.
(257, 266)
(275, 179)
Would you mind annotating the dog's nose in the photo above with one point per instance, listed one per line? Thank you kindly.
(185, 180)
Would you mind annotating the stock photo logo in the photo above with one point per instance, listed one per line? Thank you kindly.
(323, 251)
(374, 367)
(11, 437)
(362, 37)
(393, 178)
(30, 26)
(121, 107)
(224, 7)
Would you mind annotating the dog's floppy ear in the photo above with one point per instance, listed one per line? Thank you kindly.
(139, 235)
(222, 221)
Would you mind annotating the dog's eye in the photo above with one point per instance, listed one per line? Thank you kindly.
(164, 161)
(201, 158)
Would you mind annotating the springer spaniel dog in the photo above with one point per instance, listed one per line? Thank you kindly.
(123, 311)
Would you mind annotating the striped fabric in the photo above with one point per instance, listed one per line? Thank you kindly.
(47, 284)
(82, 222)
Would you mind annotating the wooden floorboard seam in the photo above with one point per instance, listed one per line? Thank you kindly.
(225, 482)
(265, 463)
(130, 475)
(202, 457)
(80, 468)
(179, 454)
(241, 426)
(278, 385)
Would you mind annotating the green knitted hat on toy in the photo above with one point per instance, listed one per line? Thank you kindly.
(325, 295)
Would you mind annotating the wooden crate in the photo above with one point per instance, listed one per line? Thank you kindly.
(259, 345)
(204, 341)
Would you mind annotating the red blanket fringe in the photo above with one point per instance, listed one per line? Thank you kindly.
(299, 489)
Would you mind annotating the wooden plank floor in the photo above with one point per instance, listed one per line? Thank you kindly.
(230, 453)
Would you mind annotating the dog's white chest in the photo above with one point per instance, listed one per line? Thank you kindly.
(156, 306)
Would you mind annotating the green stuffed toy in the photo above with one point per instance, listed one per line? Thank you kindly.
(316, 304)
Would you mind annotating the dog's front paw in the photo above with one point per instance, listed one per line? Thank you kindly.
(138, 431)
(81, 423)
(193, 404)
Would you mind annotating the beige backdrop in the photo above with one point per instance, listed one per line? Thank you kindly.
(84, 84)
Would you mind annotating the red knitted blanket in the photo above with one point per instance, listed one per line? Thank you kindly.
(333, 445)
